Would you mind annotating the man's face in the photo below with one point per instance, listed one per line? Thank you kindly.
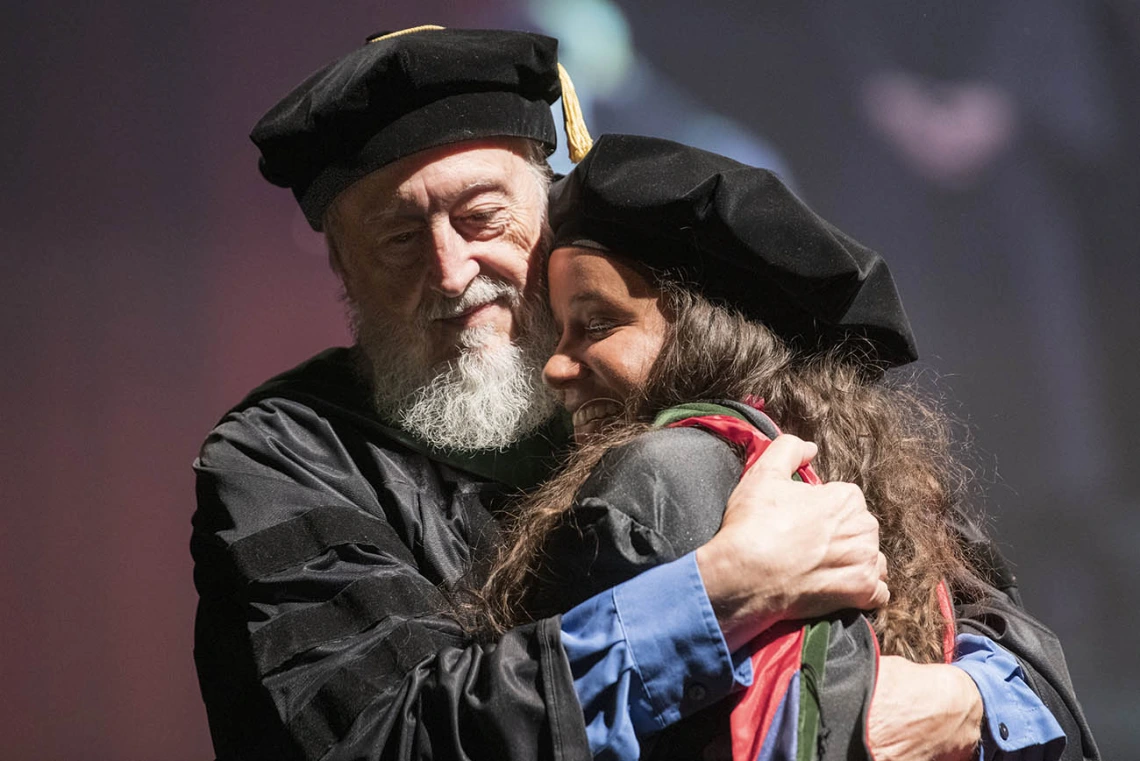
(413, 237)
(434, 252)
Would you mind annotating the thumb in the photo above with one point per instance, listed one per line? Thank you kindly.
(783, 457)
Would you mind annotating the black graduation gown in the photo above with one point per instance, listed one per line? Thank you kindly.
(321, 543)
(662, 495)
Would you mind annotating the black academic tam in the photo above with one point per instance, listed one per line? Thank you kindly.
(738, 235)
(401, 93)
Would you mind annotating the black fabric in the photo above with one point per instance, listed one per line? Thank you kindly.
(394, 97)
(655, 500)
(663, 495)
(847, 687)
(738, 235)
(392, 675)
(304, 538)
(322, 545)
(1046, 672)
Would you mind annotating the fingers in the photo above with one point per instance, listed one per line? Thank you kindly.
(850, 495)
(861, 588)
(793, 550)
(859, 557)
(784, 456)
(880, 598)
(882, 594)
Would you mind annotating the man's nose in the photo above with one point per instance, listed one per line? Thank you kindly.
(454, 262)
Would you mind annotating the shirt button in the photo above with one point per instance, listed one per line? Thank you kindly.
(696, 692)
(1003, 730)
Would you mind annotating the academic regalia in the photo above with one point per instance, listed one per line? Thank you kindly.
(322, 544)
(739, 237)
(323, 538)
(663, 495)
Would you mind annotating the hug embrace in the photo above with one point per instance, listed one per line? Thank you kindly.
(617, 467)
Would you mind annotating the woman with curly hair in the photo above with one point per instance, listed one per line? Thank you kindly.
(695, 295)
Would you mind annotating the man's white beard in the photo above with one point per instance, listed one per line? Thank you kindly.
(488, 397)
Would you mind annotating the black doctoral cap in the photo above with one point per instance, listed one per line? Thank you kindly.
(408, 91)
(739, 236)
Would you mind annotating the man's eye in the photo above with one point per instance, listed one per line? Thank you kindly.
(401, 238)
(484, 221)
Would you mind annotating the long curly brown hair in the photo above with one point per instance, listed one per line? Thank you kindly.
(875, 431)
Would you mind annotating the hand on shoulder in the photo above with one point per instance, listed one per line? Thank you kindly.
(790, 550)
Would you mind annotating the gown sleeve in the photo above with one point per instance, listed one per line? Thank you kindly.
(322, 631)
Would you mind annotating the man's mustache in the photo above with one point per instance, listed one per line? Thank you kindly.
(482, 290)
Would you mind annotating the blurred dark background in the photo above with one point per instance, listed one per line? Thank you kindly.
(150, 277)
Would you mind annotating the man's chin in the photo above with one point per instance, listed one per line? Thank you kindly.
(479, 339)
(486, 396)
(444, 363)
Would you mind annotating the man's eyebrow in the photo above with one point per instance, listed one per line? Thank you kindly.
(479, 188)
(400, 209)
(397, 211)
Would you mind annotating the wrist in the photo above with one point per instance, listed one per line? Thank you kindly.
(741, 610)
(967, 712)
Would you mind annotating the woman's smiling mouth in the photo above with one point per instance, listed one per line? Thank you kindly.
(592, 415)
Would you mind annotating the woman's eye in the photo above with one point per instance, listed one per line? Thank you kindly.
(597, 327)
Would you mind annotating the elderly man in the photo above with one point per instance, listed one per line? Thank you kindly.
(340, 502)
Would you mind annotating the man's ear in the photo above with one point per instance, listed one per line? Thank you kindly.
(334, 256)
(330, 225)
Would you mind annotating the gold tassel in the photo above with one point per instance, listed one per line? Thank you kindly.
(578, 139)
(402, 32)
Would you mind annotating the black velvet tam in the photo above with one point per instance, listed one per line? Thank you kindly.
(739, 236)
(401, 94)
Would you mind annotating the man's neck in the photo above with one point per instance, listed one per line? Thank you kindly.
(524, 464)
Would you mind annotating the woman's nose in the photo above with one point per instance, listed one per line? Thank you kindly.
(560, 369)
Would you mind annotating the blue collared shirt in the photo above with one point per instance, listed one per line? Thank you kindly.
(1016, 721)
(650, 651)
(645, 653)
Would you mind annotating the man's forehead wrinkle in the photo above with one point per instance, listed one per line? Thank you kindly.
(409, 202)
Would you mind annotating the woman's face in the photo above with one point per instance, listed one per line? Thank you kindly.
(611, 327)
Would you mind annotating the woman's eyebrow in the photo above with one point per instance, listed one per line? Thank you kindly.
(592, 296)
